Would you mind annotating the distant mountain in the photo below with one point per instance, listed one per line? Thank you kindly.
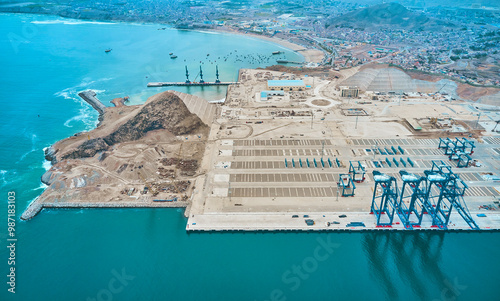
(386, 15)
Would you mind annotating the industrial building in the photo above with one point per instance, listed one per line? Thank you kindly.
(349, 91)
(265, 95)
(286, 85)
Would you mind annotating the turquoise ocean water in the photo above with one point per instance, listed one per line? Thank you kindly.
(146, 254)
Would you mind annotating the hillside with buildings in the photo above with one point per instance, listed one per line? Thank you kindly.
(387, 15)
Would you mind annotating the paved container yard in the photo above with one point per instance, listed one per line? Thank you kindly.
(272, 173)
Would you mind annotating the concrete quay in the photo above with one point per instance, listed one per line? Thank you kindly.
(285, 222)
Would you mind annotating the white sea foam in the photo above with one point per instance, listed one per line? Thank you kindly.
(86, 115)
(82, 117)
(64, 94)
(7, 177)
(72, 92)
(71, 22)
(34, 139)
(42, 186)
(3, 174)
(209, 32)
(46, 165)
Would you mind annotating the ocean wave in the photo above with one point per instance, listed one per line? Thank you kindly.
(64, 94)
(3, 174)
(34, 139)
(42, 186)
(82, 117)
(7, 177)
(71, 22)
(209, 32)
(46, 165)
(72, 92)
(86, 114)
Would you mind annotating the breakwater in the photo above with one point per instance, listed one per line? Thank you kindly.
(90, 97)
(36, 206)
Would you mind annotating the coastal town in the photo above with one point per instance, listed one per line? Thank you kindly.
(430, 40)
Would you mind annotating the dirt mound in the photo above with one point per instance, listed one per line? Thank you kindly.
(424, 76)
(320, 102)
(164, 111)
(88, 149)
(474, 93)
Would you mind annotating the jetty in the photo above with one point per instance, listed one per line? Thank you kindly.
(163, 84)
(90, 97)
(288, 62)
(145, 202)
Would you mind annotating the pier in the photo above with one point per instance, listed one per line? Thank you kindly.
(288, 62)
(163, 84)
(194, 83)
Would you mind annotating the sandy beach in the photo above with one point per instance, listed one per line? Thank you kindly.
(310, 55)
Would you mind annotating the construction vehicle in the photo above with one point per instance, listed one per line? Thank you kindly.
(154, 192)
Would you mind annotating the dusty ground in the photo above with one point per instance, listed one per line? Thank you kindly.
(159, 165)
(474, 93)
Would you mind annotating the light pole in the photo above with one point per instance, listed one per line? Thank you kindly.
(312, 118)
(477, 122)
(322, 149)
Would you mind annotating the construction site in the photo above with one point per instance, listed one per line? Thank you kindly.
(291, 151)
(315, 157)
